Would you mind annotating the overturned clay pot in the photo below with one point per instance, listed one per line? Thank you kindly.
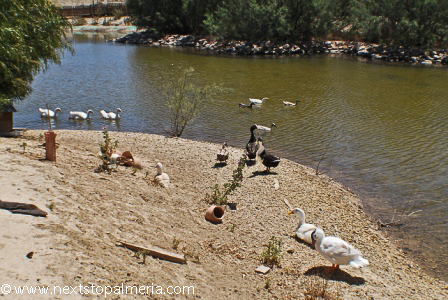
(215, 214)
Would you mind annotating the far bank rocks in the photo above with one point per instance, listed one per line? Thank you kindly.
(364, 50)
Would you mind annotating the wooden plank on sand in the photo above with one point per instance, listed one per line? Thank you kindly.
(157, 252)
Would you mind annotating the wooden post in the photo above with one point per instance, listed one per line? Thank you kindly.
(50, 145)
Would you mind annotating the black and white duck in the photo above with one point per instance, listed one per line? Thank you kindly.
(268, 160)
(251, 146)
(223, 154)
(287, 103)
(246, 105)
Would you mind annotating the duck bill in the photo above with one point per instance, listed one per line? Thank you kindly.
(291, 212)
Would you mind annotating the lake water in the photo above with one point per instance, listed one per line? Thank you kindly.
(380, 129)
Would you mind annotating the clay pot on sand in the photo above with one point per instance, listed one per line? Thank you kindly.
(130, 161)
(215, 214)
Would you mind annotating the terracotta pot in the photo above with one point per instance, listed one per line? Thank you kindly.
(215, 214)
(50, 145)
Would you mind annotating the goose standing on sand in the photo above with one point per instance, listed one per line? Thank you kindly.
(246, 106)
(257, 101)
(80, 115)
(223, 154)
(304, 230)
(268, 160)
(251, 146)
(286, 103)
(266, 128)
(337, 251)
(111, 115)
(48, 113)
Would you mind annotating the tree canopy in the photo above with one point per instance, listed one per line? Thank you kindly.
(32, 35)
(409, 23)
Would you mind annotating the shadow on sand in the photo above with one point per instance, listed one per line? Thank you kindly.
(336, 275)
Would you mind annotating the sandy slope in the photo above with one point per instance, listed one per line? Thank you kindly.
(77, 243)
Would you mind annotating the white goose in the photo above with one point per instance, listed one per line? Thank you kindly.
(48, 113)
(337, 251)
(80, 115)
(257, 101)
(266, 128)
(111, 115)
(286, 103)
(304, 230)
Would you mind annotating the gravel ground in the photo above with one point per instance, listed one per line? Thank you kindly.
(91, 212)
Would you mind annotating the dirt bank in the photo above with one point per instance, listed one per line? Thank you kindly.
(91, 212)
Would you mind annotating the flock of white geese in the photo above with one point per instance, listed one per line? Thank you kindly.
(80, 115)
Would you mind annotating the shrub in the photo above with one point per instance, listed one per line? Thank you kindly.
(220, 197)
(272, 255)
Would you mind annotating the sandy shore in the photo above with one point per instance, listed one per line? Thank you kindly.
(91, 212)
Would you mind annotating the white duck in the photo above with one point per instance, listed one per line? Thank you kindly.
(337, 251)
(161, 178)
(80, 115)
(257, 101)
(286, 103)
(304, 230)
(266, 128)
(111, 115)
(48, 113)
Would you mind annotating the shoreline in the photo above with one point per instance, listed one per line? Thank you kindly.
(94, 210)
(368, 51)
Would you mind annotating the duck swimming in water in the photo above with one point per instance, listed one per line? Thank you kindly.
(80, 115)
(246, 106)
(48, 113)
(286, 103)
(266, 128)
(258, 101)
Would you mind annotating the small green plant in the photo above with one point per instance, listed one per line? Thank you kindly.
(220, 197)
(41, 137)
(192, 254)
(134, 170)
(24, 145)
(52, 206)
(319, 288)
(267, 284)
(272, 255)
(107, 149)
(142, 253)
(176, 243)
(232, 228)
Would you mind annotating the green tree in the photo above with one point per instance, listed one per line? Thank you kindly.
(249, 19)
(32, 35)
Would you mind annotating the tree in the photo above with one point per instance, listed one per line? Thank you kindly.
(185, 101)
(32, 35)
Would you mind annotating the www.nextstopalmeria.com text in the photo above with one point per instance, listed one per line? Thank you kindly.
(99, 290)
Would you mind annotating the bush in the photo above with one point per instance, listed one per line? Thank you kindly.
(79, 21)
(273, 254)
(185, 101)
